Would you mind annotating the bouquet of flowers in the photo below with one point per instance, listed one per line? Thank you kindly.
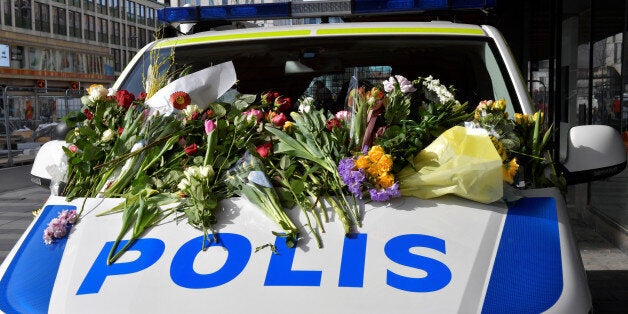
(162, 153)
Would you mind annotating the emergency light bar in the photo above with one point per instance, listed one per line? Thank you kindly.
(305, 8)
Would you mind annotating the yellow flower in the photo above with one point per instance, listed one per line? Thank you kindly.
(372, 171)
(509, 170)
(499, 147)
(499, 105)
(520, 118)
(362, 162)
(384, 164)
(386, 180)
(287, 127)
(375, 153)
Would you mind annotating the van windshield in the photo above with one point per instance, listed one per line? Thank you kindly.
(298, 68)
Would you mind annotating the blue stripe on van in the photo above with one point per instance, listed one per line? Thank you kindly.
(527, 273)
(26, 286)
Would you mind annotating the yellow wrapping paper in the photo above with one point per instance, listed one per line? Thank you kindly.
(460, 161)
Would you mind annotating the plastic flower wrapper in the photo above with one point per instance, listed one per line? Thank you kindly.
(249, 180)
(202, 87)
(460, 161)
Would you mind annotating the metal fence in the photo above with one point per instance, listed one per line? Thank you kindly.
(29, 117)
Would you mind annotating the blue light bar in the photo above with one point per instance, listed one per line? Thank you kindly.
(390, 6)
(258, 11)
(304, 9)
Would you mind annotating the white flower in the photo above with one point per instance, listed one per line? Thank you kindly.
(184, 184)
(404, 84)
(107, 136)
(305, 104)
(191, 110)
(97, 92)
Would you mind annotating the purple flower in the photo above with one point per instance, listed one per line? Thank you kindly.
(59, 227)
(382, 195)
(354, 179)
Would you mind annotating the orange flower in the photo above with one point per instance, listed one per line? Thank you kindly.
(384, 164)
(373, 171)
(362, 162)
(180, 100)
(375, 153)
(386, 180)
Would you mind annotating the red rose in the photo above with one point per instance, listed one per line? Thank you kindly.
(124, 98)
(88, 114)
(265, 149)
(333, 123)
(269, 98)
(279, 120)
(142, 96)
(191, 149)
(283, 103)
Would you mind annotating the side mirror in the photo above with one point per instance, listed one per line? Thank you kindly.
(50, 166)
(591, 152)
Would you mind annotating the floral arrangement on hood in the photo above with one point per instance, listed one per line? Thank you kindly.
(179, 152)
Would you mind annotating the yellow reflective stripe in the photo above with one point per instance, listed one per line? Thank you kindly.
(209, 38)
(389, 30)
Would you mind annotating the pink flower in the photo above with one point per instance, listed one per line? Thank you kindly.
(59, 227)
(265, 149)
(254, 114)
(279, 120)
(342, 115)
(210, 126)
(73, 148)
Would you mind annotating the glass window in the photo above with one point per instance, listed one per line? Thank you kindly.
(141, 12)
(75, 3)
(115, 37)
(142, 37)
(468, 65)
(75, 24)
(130, 10)
(23, 14)
(103, 30)
(132, 40)
(59, 21)
(90, 27)
(101, 6)
(88, 5)
(114, 8)
(7, 13)
(42, 17)
(150, 21)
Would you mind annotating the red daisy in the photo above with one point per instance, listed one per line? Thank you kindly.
(180, 100)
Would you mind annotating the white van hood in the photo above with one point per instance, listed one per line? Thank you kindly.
(444, 255)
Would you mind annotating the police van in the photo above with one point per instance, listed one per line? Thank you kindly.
(441, 255)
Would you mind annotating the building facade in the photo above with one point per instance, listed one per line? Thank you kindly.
(50, 46)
